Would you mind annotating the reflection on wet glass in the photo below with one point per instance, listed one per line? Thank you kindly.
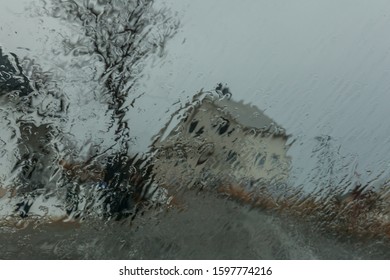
(215, 181)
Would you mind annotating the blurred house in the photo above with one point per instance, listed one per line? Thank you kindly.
(214, 141)
(27, 139)
(12, 79)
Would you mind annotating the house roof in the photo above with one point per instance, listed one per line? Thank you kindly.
(249, 116)
(246, 114)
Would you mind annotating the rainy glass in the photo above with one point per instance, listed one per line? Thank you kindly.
(194, 129)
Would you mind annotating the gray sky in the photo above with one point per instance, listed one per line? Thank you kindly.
(315, 67)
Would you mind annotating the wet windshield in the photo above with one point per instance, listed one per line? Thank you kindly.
(194, 129)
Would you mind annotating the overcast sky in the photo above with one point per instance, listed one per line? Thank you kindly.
(318, 68)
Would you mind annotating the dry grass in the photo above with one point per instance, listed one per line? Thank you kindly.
(363, 214)
(357, 213)
(81, 172)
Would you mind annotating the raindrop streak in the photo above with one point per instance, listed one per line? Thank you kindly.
(214, 183)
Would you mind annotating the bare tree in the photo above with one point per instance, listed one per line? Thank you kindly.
(122, 34)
